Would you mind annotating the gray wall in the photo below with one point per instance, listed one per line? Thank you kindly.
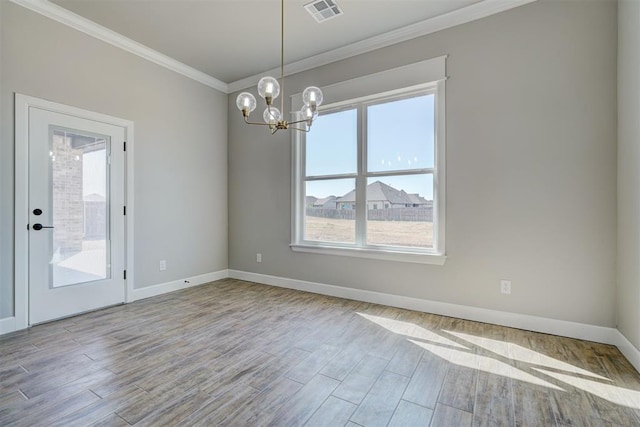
(628, 307)
(6, 199)
(180, 142)
(531, 169)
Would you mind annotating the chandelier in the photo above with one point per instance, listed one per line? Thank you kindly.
(269, 89)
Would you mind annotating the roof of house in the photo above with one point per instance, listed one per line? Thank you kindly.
(310, 200)
(324, 200)
(417, 199)
(379, 191)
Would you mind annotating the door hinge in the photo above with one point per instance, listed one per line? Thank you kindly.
(125, 274)
(125, 210)
(125, 146)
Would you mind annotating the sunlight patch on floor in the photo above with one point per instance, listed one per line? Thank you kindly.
(484, 363)
(614, 394)
(523, 354)
(508, 360)
(411, 330)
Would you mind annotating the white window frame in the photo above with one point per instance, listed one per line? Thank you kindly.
(435, 255)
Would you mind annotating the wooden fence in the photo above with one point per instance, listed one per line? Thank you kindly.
(392, 214)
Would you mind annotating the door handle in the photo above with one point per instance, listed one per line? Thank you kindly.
(38, 226)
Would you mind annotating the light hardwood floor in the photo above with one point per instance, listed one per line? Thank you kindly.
(242, 354)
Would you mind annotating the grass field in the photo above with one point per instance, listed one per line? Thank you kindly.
(394, 233)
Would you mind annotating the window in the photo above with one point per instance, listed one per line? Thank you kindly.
(374, 168)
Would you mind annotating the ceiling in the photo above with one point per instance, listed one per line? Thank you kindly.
(234, 39)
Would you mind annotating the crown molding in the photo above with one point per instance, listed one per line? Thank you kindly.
(73, 20)
(457, 17)
(467, 14)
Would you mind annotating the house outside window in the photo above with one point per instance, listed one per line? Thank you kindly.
(380, 159)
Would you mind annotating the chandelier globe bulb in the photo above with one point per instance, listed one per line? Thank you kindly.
(312, 96)
(246, 103)
(268, 88)
(271, 115)
(308, 113)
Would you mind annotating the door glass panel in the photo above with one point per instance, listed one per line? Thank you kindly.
(80, 207)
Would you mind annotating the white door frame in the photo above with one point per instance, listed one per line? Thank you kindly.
(21, 266)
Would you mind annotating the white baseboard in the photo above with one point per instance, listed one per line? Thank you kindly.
(176, 285)
(8, 324)
(628, 350)
(521, 321)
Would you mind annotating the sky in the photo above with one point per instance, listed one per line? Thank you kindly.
(94, 173)
(400, 137)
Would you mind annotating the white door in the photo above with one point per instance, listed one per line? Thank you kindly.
(76, 219)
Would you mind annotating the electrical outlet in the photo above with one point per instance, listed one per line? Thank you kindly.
(163, 265)
(505, 286)
(258, 257)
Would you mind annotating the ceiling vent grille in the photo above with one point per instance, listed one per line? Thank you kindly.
(323, 10)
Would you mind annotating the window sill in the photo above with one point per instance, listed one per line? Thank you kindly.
(387, 255)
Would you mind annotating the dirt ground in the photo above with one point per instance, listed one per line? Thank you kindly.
(394, 233)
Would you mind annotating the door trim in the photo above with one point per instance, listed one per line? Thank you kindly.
(21, 239)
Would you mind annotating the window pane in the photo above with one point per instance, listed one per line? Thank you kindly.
(400, 211)
(332, 144)
(401, 134)
(80, 195)
(330, 209)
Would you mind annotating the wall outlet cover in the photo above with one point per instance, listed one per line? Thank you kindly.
(505, 286)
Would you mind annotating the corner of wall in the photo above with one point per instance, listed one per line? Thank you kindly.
(628, 183)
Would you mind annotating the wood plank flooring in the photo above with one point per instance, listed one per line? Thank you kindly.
(242, 354)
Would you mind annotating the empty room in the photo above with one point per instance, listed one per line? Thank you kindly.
(320, 213)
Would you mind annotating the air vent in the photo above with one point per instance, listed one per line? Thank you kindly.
(323, 10)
